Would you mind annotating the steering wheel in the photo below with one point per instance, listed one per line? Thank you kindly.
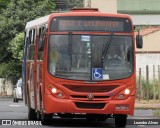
(114, 59)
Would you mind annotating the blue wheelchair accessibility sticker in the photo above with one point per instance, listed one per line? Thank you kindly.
(97, 73)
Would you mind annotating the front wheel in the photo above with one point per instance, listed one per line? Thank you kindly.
(32, 114)
(120, 120)
(46, 118)
(38, 115)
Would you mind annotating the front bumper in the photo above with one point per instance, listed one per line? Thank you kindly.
(55, 105)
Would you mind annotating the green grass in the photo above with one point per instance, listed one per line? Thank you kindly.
(157, 113)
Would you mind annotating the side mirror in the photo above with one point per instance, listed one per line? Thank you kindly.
(139, 41)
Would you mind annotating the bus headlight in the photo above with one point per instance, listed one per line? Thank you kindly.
(56, 92)
(125, 93)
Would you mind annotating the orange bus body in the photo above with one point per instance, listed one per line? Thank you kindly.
(48, 94)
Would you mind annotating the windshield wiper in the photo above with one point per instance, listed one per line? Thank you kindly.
(104, 53)
(70, 43)
(70, 48)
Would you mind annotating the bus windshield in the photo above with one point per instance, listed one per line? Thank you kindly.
(74, 56)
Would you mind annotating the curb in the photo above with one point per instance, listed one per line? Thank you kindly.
(147, 106)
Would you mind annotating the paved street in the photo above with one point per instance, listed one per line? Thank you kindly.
(10, 110)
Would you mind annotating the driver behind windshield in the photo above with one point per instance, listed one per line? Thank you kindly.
(113, 53)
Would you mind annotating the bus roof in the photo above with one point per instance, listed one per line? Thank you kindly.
(37, 22)
(74, 12)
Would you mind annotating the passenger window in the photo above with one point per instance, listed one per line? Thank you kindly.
(31, 46)
(41, 36)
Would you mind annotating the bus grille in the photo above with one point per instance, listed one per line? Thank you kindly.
(91, 89)
(90, 105)
(95, 97)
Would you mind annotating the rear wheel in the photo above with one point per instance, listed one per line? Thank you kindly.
(120, 120)
(31, 112)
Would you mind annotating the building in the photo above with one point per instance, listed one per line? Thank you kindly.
(64, 5)
(146, 15)
(108, 6)
(150, 53)
(143, 12)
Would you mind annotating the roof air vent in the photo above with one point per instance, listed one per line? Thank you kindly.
(84, 9)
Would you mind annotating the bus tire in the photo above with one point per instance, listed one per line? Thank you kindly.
(46, 118)
(38, 115)
(120, 120)
(32, 114)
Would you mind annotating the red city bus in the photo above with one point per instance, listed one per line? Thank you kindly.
(80, 62)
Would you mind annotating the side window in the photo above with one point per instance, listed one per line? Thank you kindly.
(33, 36)
(40, 40)
(31, 46)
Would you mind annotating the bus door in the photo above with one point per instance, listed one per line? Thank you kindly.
(39, 65)
(31, 68)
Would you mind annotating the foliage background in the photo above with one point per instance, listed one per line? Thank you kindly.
(14, 14)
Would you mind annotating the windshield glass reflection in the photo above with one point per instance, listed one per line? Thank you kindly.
(74, 56)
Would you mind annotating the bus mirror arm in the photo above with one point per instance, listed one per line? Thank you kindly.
(139, 41)
(70, 47)
(70, 43)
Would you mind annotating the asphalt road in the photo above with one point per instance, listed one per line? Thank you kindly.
(10, 110)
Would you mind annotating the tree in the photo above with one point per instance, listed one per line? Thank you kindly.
(16, 46)
(74, 3)
(3, 4)
(13, 18)
(68, 4)
(11, 70)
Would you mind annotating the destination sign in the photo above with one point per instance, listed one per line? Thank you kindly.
(90, 24)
